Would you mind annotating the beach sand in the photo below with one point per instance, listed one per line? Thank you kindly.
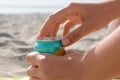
(17, 37)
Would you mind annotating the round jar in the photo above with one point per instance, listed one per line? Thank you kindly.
(49, 45)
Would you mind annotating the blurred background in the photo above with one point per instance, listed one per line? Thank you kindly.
(20, 22)
(33, 6)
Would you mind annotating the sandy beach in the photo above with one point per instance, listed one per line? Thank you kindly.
(17, 37)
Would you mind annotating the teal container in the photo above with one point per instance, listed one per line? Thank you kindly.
(50, 46)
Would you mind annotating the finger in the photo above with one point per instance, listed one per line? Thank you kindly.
(71, 37)
(34, 72)
(34, 58)
(76, 34)
(87, 27)
(46, 29)
(56, 18)
(54, 31)
(33, 78)
(67, 28)
(51, 25)
(39, 60)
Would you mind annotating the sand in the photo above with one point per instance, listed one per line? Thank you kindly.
(17, 37)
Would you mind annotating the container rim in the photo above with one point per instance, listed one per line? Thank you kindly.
(49, 39)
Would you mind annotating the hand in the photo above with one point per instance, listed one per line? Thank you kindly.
(91, 16)
(51, 67)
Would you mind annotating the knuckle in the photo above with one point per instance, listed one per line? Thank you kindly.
(41, 60)
(72, 4)
(27, 58)
(28, 71)
(52, 16)
(73, 37)
(31, 71)
(30, 56)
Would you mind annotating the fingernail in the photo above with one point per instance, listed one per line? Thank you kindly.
(65, 42)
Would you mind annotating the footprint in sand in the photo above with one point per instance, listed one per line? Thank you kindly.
(18, 42)
(23, 49)
(5, 38)
(6, 35)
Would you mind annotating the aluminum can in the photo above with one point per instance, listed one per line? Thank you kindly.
(49, 45)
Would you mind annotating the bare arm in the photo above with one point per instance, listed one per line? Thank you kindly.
(103, 62)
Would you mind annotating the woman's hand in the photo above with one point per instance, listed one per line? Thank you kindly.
(91, 16)
(51, 67)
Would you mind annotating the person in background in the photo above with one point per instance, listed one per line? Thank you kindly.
(100, 63)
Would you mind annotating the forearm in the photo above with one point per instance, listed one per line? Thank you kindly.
(103, 62)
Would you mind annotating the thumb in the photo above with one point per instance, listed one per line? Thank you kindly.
(72, 37)
(80, 32)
